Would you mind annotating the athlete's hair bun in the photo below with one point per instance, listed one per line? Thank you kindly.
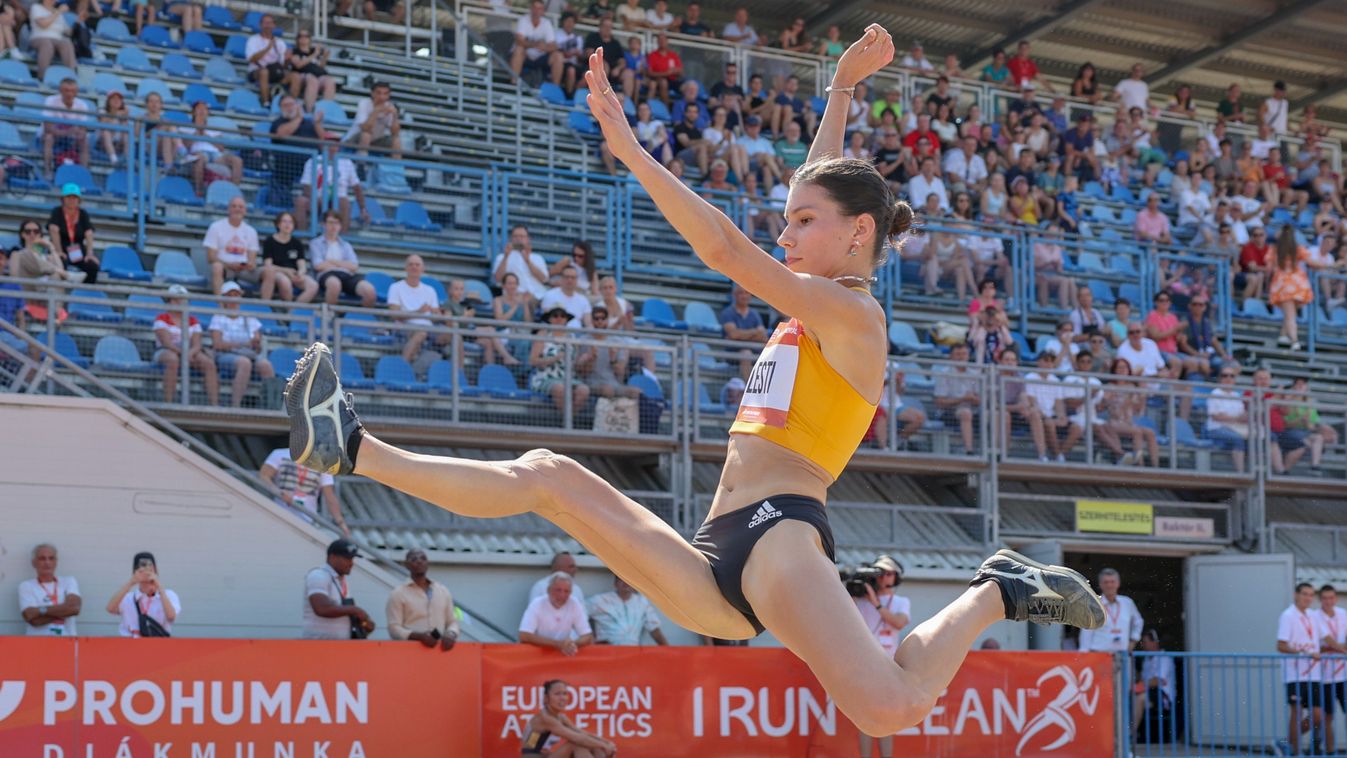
(902, 218)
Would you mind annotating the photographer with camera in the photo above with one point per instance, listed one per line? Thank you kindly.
(330, 613)
(147, 608)
(885, 612)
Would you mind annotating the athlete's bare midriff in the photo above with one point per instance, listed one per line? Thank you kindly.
(756, 469)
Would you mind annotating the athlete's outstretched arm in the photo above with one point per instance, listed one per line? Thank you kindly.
(873, 51)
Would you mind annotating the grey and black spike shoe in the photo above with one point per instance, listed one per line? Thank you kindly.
(1041, 593)
(321, 417)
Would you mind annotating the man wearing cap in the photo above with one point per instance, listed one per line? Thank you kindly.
(1274, 110)
(328, 605)
(886, 614)
(73, 232)
(1122, 624)
(237, 340)
(916, 58)
(761, 153)
(175, 344)
(65, 138)
(422, 609)
(232, 247)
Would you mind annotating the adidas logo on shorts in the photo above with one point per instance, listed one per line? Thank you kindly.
(765, 513)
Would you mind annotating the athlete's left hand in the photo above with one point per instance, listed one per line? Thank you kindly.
(870, 53)
(606, 107)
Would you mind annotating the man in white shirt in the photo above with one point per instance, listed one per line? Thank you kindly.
(1274, 110)
(738, 31)
(413, 296)
(377, 122)
(1299, 634)
(63, 137)
(1077, 389)
(1043, 387)
(49, 603)
(328, 605)
(563, 562)
(1133, 92)
(916, 58)
(266, 55)
(1158, 682)
(569, 296)
(619, 617)
(232, 247)
(327, 181)
(927, 183)
(1141, 352)
(300, 486)
(520, 260)
(1334, 627)
(535, 43)
(965, 170)
(1122, 621)
(659, 18)
(1265, 143)
(556, 620)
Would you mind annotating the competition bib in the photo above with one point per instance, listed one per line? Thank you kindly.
(769, 388)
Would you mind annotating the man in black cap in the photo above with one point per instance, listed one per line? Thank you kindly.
(328, 606)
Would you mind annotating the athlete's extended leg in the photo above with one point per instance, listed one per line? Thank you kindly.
(629, 539)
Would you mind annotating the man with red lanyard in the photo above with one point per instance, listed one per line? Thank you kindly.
(73, 232)
(886, 613)
(1122, 621)
(300, 487)
(49, 603)
(1299, 633)
(1334, 628)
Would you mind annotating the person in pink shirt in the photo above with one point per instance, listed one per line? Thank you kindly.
(1163, 327)
(1152, 225)
(986, 297)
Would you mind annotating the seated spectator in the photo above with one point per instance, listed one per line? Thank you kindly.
(232, 247)
(237, 341)
(724, 145)
(997, 72)
(986, 297)
(1050, 266)
(652, 135)
(285, 269)
(266, 55)
(172, 346)
(856, 147)
(956, 395)
(1018, 404)
(377, 122)
(739, 321)
(49, 34)
(307, 62)
(564, 562)
(519, 259)
(1228, 418)
(68, 141)
(147, 608)
(330, 613)
(548, 358)
(1290, 289)
(301, 487)
(535, 44)
(49, 603)
(1143, 356)
(1081, 397)
(337, 267)
(390, 11)
(1198, 340)
(422, 609)
(1086, 320)
(292, 128)
(995, 202)
(115, 141)
(1301, 421)
(717, 181)
(1045, 394)
(927, 183)
(191, 13)
(514, 304)
(1163, 327)
(621, 616)
(1078, 147)
(556, 620)
(739, 32)
(571, 48)
(614, 55)
(790, 149)
(70, 228)
(9, 30)
(1256, 259)
(728, 93)
(202, 149)
(631, 15)
(582, 258)
(965, 170)
(1102, 350)
(1123, 405)
(1195, 210)
(610, 364)
(1063, 344)
(1122, 319)
(330, 180)
(569, 298)
(1152, 225)
(691, 23)
(664, 68)
(37, 259)
(690, 144)
(790, 107)
(989, 335)
(551, 726)
(621, 314)
(944, 257)
(757, 217)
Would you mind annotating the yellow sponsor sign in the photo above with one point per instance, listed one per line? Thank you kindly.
(1114, 516)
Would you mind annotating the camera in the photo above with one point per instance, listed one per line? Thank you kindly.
(855, 579)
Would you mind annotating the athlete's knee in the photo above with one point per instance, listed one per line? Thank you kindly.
(546, 471)
(891, 711)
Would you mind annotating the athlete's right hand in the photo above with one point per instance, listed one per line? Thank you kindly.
(606, 107)
(870, 53)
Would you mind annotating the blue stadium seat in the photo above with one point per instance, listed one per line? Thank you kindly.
(413, 215)
(700, 318)
(480, 291)
(252, 21)
(219, 17)
(377, 215)
(1338, 317)
(100, 312)
(706, 405)
(353, 328)
(352, 375)
(155, 35)
(283, 359)
(132, 58)
(178, 117)
(390, 179)
(1122, 194)
(119, 354)
(200, 42)
(381, 281)
(270, 326)
(245, 101)
(1127, 216)
(648, 387)
(174, 267)
(106, 81)
(1091, 263)
(269, 205)
(66, 348)
(583, 123)
(1095, 189)
(176, 189)
(1184, 435)
(658, 313)
(904, 338)
(1254, 308)
(1103, 294)
(222, 71)
(16, 72)
(73, 173)
(224, 124)
(440, 377)
(1122, 263)
(200, 93)
(333, 113)
(179, 65)
(55, 73)
(659, 111)
(145, 312)
(434, 284)
(392, 372)
(154, 84)
(113, 30)
(123, 263)
(237, 47)
(551, 93)
(1103, 213)
(1132, 292)
(497, 381)
(10, 137)
(220, 192)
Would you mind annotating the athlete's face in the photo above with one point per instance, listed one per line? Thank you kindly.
(817, 236)
(558, 697)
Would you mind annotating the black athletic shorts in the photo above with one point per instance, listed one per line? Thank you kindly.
(1305, 694)
(348, 280)
(728, 539)
(1334, 691)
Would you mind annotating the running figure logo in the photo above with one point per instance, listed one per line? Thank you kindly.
(1076, 690)
(765, 513)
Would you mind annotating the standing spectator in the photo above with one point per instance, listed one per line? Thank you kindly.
(535, 44)
(413, 300)
(565, 563)
(659, 18)
(886, 613)
(329, 181)
(337, 267)
(422, 609)
(1230, 109)
(173, 346)
(1290, 289)
(956, 395)
(739, 32)
(1086, 84)
(998, 72)
(619, 617)
(377, 122)
(832, 46)
(308, 63)
(291, 128)
(237, 340)
(1333, 623)
(1152, 225)
(50, 34)
(793, 38)
(147, 607)
(64, 135)
(329, 612)
(1274, 110)
(300, 487)
(568, 297)
(49, 603)
(285, 269)
(1023, 70)
(393, 11)
(556, 620)
(551, 731)
(1122, 625)
(520, 260)
(72, 232)
(1133, 92)
(1156, 686)
(266, 55)
(232, 247)
(1299, 634)
(1228, 418)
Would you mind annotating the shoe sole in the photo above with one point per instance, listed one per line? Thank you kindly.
(1089, 591)
(297, 392)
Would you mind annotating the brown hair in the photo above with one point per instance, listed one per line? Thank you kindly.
(857, 188)
(1286, 248)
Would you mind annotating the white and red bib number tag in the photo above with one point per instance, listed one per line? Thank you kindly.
(770, 386)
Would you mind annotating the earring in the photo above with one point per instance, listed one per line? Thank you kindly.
(854, 248)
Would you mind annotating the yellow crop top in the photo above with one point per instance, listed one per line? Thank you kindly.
(797, 400)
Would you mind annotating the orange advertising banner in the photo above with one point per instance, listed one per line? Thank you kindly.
(115, 698)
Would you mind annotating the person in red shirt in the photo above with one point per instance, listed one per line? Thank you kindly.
(172, 347)
(664, 68)
(1255, 260)
(923, 130)
(1023, 69)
